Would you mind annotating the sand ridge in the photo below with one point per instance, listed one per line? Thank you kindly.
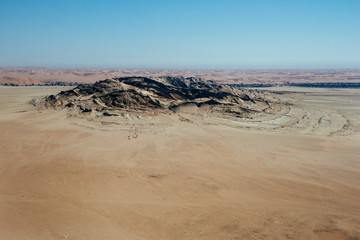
(33, 75)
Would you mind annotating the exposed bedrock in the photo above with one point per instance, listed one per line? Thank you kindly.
(158, 95)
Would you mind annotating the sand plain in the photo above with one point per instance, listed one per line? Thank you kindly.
(32, 75)
(296, 176)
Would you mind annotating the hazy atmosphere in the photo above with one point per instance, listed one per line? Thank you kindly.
(181, 34)
(179, 120)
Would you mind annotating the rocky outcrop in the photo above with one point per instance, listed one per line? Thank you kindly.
(160, 94)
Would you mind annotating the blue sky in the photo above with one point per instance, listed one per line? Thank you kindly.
(242, 34)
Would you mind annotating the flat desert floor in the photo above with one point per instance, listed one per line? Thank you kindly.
(296, 176)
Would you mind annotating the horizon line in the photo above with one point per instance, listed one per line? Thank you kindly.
(184, 68)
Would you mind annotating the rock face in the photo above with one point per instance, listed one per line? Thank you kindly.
(161, 94)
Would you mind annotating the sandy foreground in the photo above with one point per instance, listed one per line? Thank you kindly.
(296, 176)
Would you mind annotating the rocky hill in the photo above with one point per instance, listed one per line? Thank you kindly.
(112, 97)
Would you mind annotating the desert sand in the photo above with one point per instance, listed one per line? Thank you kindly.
(31, 75)
(294, 176)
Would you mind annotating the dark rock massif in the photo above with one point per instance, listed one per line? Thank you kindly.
(161, 94)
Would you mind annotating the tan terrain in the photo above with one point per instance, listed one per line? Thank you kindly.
(291, 175)
(28, 76)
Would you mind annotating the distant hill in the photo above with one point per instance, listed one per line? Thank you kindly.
(162, 94)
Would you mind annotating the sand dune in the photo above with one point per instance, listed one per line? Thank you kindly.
(27, 76)
(291, 175)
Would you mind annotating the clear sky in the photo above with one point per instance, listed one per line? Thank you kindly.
(239, 34)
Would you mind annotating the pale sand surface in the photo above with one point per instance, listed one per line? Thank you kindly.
(65, 177)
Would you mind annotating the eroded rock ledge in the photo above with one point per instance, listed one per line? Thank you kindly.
(111, 97)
